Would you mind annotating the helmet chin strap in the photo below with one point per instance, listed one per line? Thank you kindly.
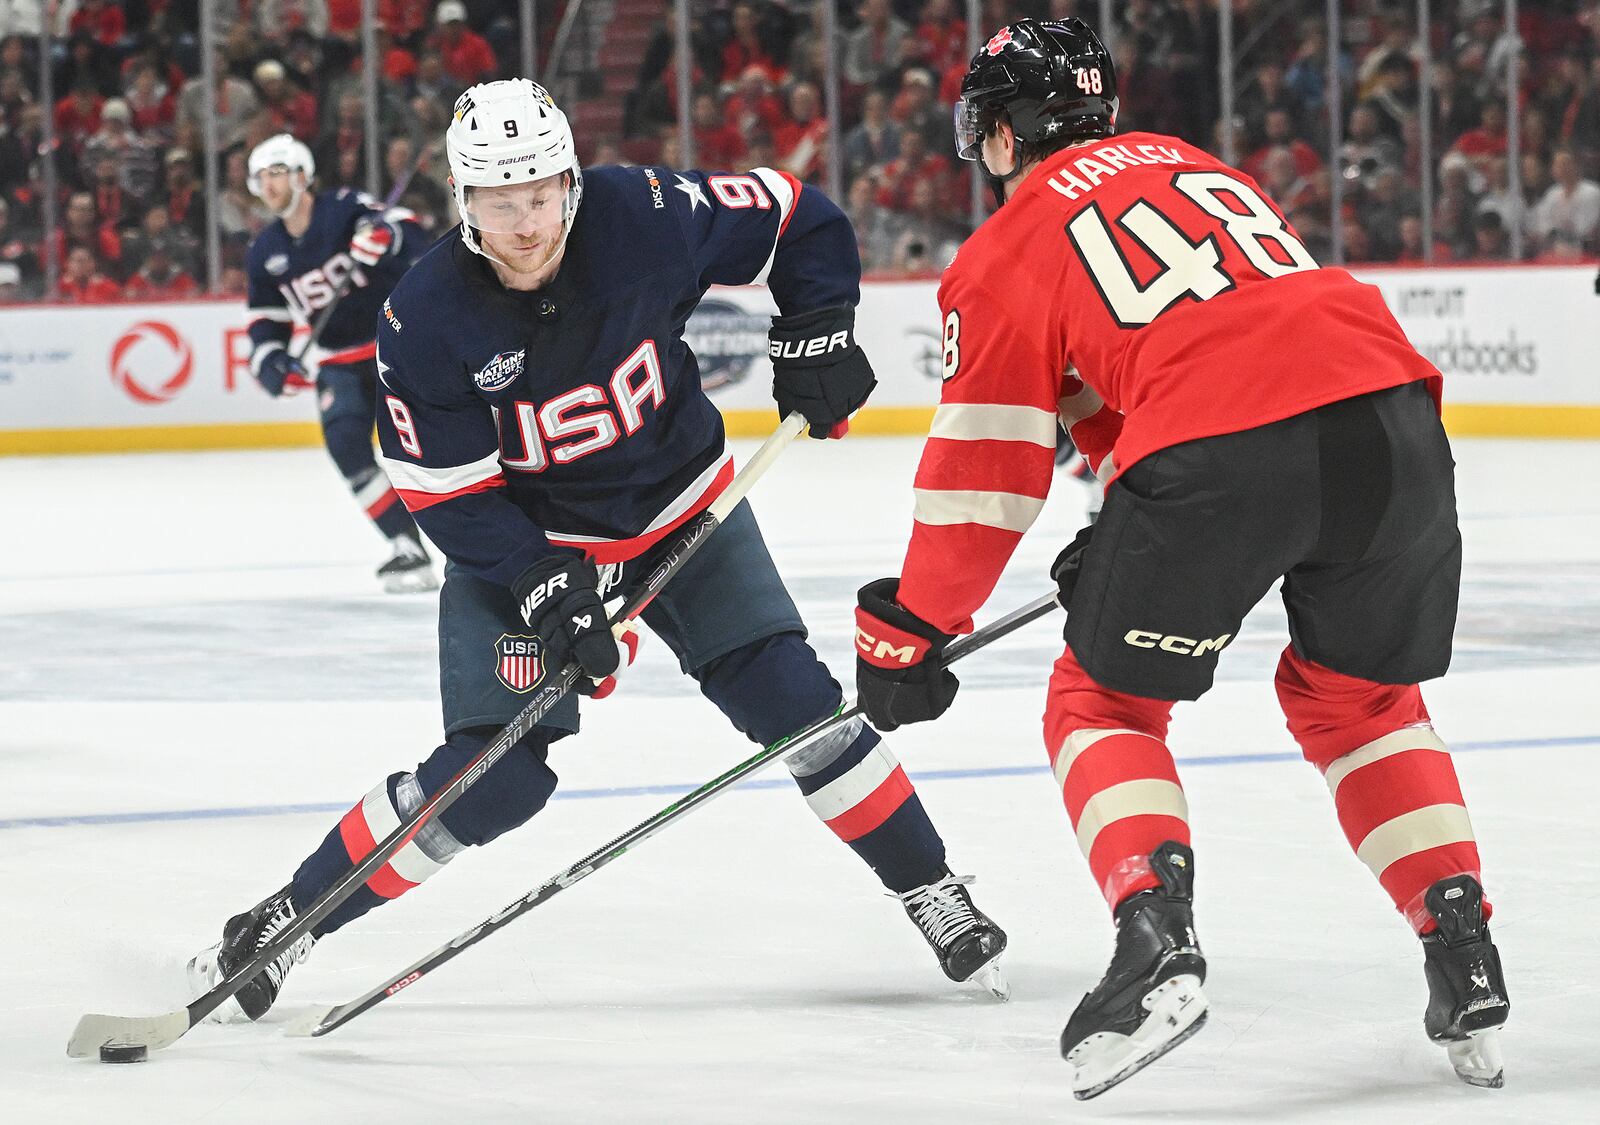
(997, 183)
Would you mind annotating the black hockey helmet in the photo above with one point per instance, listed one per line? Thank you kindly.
(1055, 81)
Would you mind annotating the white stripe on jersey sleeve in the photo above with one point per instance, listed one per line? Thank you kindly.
(957, 421)
(411, 477)
(783, 192)
(1007, 511)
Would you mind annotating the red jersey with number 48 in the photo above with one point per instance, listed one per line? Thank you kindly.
(1144, 294)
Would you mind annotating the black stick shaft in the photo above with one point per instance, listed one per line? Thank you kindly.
(594, 861)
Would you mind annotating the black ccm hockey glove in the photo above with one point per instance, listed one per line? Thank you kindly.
(899, 677)
(1069, 563)
(559, 601)
(819, 369)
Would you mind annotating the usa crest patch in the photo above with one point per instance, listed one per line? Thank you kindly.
(519, 662)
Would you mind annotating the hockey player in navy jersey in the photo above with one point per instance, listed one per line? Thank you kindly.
(542, 417)
(336, 246)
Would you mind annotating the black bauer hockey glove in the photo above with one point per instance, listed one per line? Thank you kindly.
(280, 372)
(559, 601)
(819, 369)
(899, 674)
(1069, 563)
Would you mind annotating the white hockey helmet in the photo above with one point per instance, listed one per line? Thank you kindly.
(284, 150)
(509, 132)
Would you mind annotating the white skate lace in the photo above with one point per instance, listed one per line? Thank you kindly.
(941, 909)
(296, 954)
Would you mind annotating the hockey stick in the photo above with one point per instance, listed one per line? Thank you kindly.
(125, 1034)
(322, 1021)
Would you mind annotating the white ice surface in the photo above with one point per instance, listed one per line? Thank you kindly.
(197, 642)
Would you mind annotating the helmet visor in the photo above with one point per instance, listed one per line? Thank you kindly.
(969, 129)
(516, 208)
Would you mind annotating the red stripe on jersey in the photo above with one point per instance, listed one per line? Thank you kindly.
(382, 504)
(794, 205)
(986, 466)
(871, 811)
(1111, 761)
(351, 355)
(416, 501)
(1120, 856)
(1377, 793)
(621, 550)
(358, 844)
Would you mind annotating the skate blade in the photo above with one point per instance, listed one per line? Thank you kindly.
(990, 977)
(1177, 1010)
(411, 582)
(203, 976)
(1477, 1059)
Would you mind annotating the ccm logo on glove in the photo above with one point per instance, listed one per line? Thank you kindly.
(893, 649)
(817, 345)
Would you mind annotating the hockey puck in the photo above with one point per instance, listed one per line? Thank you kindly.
(136, 1052)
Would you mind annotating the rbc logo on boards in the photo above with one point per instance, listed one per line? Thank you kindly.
(151, 363)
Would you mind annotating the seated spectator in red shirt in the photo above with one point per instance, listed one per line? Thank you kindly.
(914, 163)
(914, 108)
(344, 18)
(406, 19)
(942, 35)
(716, 143)
(467, 56)
(101, 19)
(399, 64)
(154, 106)
(291, 109)
(160, 278)
(1489, 138)
(1411, 244)
(1280, 134)
(745, 49)
(753, 107)
(82, 227)
(802, 141)
(77, 116)
(83, 283)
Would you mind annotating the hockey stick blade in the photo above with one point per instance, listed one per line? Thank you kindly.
(320, 1021)
(157, 1032)
(150, 1032)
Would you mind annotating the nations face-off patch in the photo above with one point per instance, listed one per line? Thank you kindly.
(519, 662)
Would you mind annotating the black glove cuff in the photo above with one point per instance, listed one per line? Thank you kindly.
(878, 599)
(819, 338)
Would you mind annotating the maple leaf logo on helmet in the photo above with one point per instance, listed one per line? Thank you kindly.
(1001, 38)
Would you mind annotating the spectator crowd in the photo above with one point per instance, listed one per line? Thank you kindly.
(128, 95)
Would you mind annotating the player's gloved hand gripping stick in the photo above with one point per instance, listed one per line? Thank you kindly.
(100, 1033)
(323, 1020)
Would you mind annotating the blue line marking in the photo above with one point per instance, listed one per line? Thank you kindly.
(155, 817)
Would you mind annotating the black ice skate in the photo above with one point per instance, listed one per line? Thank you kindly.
(966, 942)
(1149, 1000)
(242, 937)
(1467, 1000)
(409, 571)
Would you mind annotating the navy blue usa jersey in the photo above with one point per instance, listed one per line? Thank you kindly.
(515, 424)
(292, 278)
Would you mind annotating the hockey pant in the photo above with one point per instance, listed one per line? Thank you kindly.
(768, 689)
(346, 398)
(1393, 783)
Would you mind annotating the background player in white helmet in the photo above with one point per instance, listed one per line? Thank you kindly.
(338, 248)
(542, 414)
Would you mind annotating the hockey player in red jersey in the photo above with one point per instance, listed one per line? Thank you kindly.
(1255, 417)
